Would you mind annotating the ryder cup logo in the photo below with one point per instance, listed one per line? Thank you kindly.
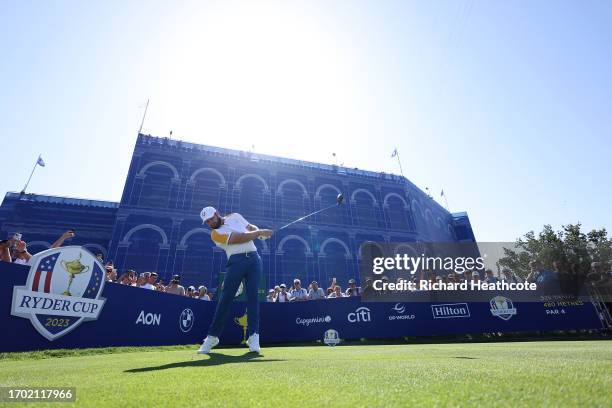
(62, 291)
(331, 337)
(502, 307)
(186, 320)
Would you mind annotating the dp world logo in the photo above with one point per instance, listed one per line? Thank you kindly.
(400, 308)
(62, 291)
(502, 307)
(186, 320)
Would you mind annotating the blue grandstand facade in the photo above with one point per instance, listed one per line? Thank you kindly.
(156, 225)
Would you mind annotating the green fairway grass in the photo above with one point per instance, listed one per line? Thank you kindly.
(554, 374)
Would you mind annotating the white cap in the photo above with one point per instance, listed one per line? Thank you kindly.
(207, 213)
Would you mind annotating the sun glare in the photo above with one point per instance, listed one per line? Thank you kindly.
(255, 75)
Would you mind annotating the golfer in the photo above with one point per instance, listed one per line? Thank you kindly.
(235, 235)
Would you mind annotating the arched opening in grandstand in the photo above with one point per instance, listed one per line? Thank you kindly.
(397, 212)
(327, 195)
(290, 200)
(334, 262)
(293, 262)
(207, 184)
(142, 254)
(199, 259)
(365, 212)
(252, 196)
(156, 186)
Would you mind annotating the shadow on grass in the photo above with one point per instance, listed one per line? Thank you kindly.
(212, 360)
(467, 358)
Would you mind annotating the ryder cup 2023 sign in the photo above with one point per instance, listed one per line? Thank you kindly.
(62, 291)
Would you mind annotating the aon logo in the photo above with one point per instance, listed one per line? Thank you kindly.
(149, 319)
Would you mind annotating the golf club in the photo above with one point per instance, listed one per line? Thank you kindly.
(339, 200)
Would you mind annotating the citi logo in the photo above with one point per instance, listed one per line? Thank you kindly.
(450, 310)
(362, 314)
(149, 319)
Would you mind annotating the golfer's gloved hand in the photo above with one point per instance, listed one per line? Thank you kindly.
(264, 233)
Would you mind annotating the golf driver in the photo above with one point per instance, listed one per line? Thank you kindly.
(339, 200)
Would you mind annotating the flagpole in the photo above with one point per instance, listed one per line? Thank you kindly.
(143, 117)
(31, 174)
(399, 162)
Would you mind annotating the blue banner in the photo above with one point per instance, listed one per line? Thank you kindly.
(127, 316)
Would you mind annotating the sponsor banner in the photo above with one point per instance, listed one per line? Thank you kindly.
(450, 310)
(128, 316)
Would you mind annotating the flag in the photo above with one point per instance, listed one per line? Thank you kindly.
(442, 193)
(394, 153)
(40, 162)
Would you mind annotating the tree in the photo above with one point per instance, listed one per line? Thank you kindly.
(570, 247)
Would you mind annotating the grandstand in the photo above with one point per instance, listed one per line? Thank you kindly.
(156, 225)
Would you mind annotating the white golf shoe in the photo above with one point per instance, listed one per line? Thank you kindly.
(209, 343)
(253, 343)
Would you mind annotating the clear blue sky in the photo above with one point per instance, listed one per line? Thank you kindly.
(504, 105)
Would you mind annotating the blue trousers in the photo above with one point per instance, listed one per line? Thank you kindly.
(240, 266)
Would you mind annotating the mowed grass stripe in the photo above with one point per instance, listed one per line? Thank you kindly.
(573, 373)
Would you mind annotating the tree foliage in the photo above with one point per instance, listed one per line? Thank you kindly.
(572, 248)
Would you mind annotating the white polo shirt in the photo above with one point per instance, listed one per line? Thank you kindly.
(232, 223)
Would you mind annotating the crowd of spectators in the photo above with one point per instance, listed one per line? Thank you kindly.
(15, 250)
(151, 281)
(297, 293)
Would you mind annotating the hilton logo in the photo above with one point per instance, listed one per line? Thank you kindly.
(450, 310)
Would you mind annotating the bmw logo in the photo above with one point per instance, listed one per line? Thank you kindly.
(186, 320)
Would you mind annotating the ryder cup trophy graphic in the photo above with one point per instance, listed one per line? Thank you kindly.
(73, 268)
(242, 322)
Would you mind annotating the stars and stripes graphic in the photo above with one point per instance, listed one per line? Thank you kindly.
(44, 273)
(96, 279)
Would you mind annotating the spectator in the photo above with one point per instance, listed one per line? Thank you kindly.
(22, 256)
(298, 292)
(369, 288)
(283, 295)
(202, 293)
(467, 276)
(153, 278)
(133, 277)
(60, 241)
(356, 291)
(100, 258)
(111, 274)
(143, 281)
(536, 271)
(271, 296)
(191, 292)
(5, 249)
(489, 278)
(315, 292)
(510, 276)
(337, 293)
(175, 287)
